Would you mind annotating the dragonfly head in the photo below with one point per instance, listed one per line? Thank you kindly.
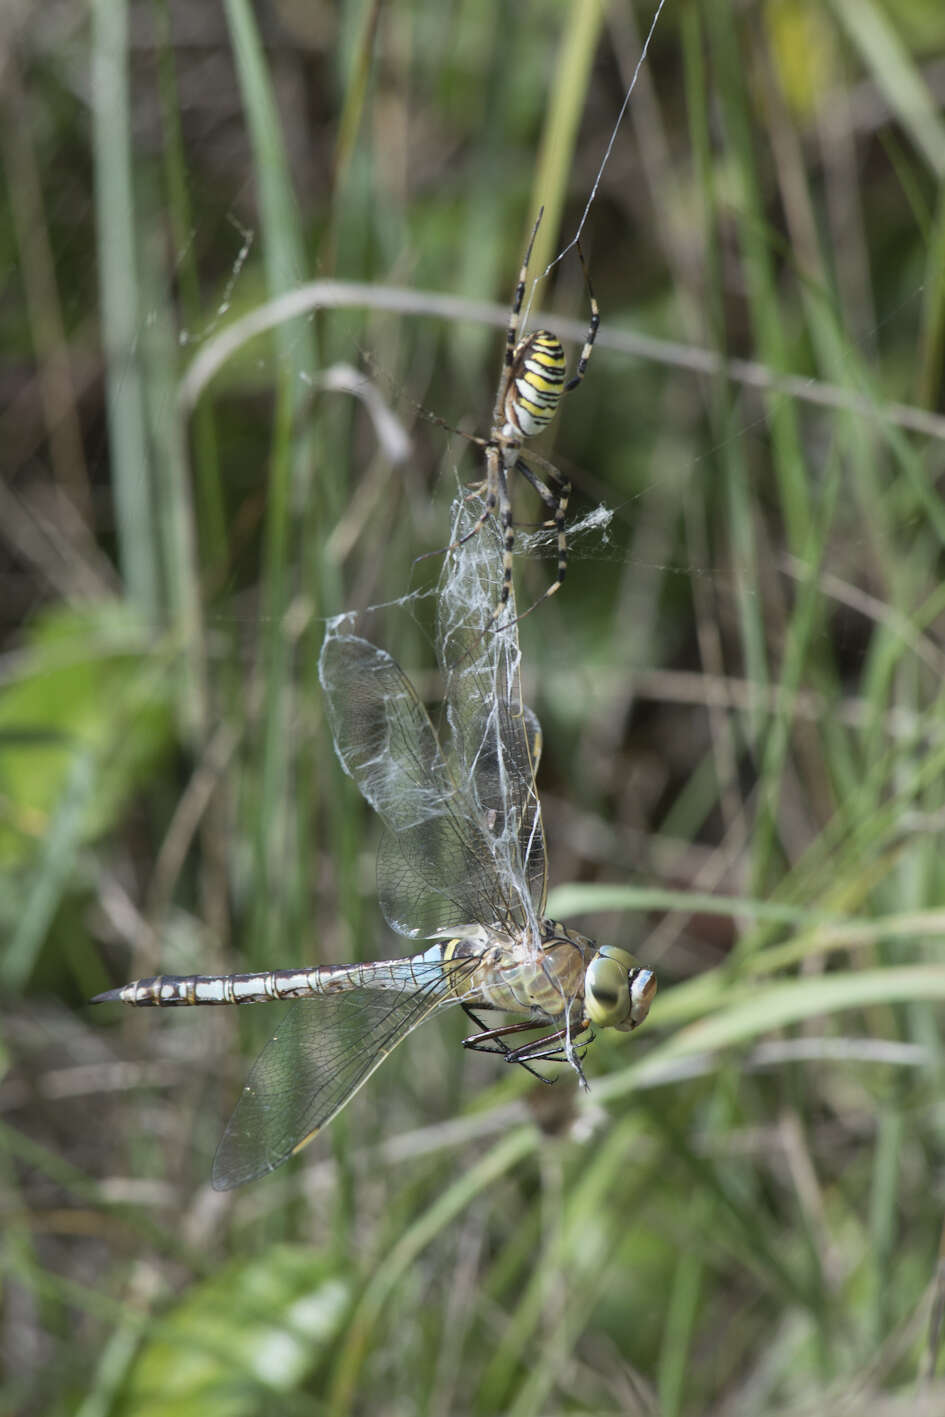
(618, 991)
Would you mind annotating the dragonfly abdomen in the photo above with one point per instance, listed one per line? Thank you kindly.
(181, 990)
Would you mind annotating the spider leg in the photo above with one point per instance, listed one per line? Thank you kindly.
(591, 329)
(511, 333)
(442, 423)
(557, 503)
(424, 413)
(508, 529)
(556, 499)
(554, 496)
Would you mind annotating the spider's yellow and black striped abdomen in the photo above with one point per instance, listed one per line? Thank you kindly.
(536, 383)
(533, 378)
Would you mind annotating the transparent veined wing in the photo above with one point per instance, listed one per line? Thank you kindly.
(494, 739)
(445, 860)
(496, 742)
(324, 1050)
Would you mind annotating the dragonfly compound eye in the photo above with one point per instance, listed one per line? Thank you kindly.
(642, 991)
(607, 990)
(617, 990)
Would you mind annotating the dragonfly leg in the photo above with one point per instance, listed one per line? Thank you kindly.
(557, 1054)
(538, 1047)
(492, 1040)
(538, 1051)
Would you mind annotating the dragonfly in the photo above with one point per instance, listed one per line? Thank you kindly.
(461, 865)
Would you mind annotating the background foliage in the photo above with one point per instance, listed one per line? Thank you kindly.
(740, 689)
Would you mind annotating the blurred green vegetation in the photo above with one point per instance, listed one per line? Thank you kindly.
(740, 688)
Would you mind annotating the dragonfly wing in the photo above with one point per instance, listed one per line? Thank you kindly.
(382, 732)
(436, 864)
(495, 741)
(324, 1050)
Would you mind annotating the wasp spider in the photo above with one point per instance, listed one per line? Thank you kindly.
(530, 389)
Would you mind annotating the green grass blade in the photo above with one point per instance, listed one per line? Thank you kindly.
(121, 313)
